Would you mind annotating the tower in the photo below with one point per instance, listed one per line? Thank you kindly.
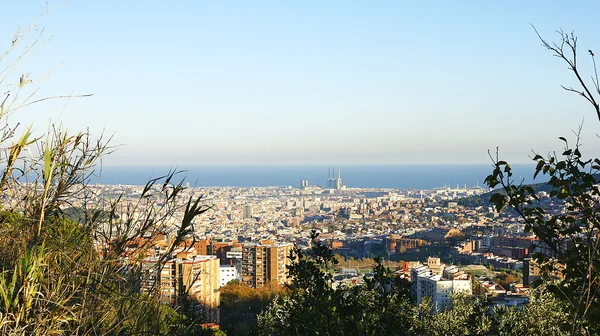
(247, 211)
(332, 181)
(330, 178)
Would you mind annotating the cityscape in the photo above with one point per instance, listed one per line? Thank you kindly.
(438, 241)
(278, 168)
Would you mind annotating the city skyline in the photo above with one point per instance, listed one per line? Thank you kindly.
(198, 83)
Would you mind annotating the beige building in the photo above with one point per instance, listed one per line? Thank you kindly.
(265, 263)
(196, 275)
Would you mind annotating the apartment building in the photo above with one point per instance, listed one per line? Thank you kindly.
(227, 273)
(265, 263)
(438, 282)
(185, 272)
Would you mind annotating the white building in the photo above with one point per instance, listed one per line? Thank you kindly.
(427, 282)
(226, 274)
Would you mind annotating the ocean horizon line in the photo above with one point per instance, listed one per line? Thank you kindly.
(398, 176)
(302, 164)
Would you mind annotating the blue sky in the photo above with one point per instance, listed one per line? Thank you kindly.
(315, 82)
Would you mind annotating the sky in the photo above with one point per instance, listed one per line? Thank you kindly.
(309, 82)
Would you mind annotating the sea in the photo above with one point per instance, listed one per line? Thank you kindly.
(396, 176)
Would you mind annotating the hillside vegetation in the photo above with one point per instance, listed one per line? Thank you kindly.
(65, 266)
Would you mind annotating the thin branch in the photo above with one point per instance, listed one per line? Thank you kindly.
(596, 83)
(570, 40)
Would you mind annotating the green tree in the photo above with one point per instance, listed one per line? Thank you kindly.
(466, 316)
(543, 315)
(382, 306)
(311, 307)
(569, 248)
(240, 305)
(505, 279)
(314, 305)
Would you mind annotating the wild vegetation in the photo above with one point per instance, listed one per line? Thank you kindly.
(382, 306)
(240, 305)
(63, 274)
(569, 249)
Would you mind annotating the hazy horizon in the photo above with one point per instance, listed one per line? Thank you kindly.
(399, 176)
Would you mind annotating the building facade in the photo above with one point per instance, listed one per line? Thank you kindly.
(227, 273)
(196, 276)
(439, 282)
(265, 263)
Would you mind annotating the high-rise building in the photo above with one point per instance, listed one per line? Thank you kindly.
(531, 272)
(265, 263)
(196, 275)
(248, 211)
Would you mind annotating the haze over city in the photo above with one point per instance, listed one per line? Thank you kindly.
(195, 83)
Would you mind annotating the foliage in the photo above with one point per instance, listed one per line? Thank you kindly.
(362, 264)
(454, 236)
(504, 279)
(569, 251)
(382, 306)
(69, 275)
(314, 306)
(544, 315)
(240, 304)
(467, 316)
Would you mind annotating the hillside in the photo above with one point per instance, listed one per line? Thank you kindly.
(484, 199)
